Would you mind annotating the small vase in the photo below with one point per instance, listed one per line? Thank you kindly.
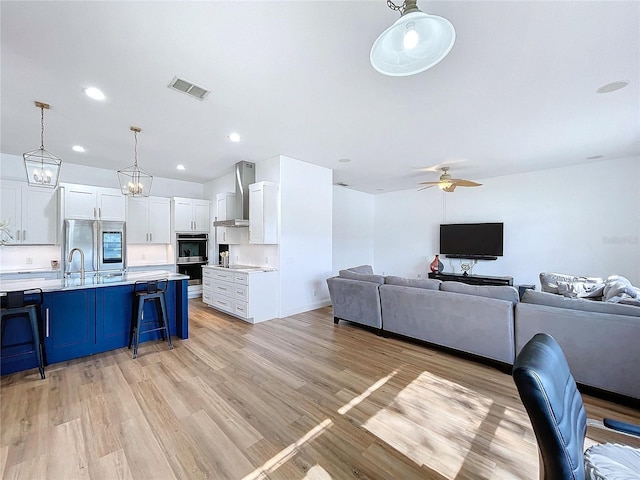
(436, 265)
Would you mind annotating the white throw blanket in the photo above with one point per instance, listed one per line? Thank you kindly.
(618, 289)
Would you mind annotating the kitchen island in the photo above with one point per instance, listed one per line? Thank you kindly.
(84, 316)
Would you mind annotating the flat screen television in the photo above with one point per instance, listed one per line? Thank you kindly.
(481, 241)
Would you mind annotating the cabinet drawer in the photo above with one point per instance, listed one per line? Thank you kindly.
(223, 288)
(207, 296)
(220, 275)
(223, 303)
(240, 292)
(241, 278)
(241, 309)
(207, 273)
(207, 282)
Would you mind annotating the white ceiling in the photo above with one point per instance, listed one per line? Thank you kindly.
(517, 92)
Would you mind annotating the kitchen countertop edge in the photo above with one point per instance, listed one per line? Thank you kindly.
(92, 281)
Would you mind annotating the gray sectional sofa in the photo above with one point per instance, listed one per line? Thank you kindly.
(600, 340)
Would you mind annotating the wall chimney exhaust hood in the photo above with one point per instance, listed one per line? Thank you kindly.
(245, 173)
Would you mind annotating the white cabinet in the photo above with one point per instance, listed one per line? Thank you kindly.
(31, 213)
(148, 220)
(250, 296)
(263, 213)
(225, 203)
(190, 215)
(93, 203)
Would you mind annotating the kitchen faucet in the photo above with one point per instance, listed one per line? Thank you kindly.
(73, 250)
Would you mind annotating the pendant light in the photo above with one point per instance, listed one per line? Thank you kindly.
(42, 168)
(414, 43)
(133, 181)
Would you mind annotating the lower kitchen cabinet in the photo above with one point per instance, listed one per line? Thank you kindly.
(250, 296)
(69, 324)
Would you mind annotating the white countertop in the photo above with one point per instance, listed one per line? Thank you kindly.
(241, 268)
(90, 281)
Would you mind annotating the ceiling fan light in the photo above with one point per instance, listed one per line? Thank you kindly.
(394, 53)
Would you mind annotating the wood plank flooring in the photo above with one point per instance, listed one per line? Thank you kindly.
(292, 398)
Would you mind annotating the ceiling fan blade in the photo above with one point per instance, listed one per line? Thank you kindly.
(450, 188)
(429, 183)
(428, 186)
(465, 183)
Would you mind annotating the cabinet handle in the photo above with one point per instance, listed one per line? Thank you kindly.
(17, 234)
(147, 237)
(99, 212)
(24, 235)
(46, 328)
(151, 237)
(94, 212)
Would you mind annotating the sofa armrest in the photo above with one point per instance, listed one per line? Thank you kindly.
(356, 301)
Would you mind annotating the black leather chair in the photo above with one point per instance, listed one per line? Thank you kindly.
(554, 404)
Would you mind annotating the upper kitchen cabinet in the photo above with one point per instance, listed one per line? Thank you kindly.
(226, 210)
(190, 215)
(31, 214)
(148, 220)
(263, 213)
(92, 203)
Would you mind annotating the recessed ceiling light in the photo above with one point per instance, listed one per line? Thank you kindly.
(344, 160)
(234, 137)
(180, 167)
(93, 92)
(612, 87)
(78, 148)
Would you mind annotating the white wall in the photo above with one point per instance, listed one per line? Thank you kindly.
(353, 229)
(582, 220)
(305, 235)
(12, 168)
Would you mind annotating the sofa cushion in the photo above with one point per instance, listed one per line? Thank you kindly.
(348, 274)
(500, 292)
(427, 283)
(549, 299)
(366, 269)
(579, 289)
(549, 281)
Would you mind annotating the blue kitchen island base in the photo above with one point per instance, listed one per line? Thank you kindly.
(86, 318)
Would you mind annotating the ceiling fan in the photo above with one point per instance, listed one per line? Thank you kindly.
(448, 184)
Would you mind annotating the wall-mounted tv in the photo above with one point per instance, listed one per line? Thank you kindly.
(472, 240)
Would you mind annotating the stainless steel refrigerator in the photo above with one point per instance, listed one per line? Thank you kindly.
(102, 243)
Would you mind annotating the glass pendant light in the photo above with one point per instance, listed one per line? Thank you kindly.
(42, 167)
(414, 43)
(133, 181)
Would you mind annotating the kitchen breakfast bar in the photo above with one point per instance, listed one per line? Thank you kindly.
(80, 317)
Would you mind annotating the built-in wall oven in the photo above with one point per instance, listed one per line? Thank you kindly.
(191, 255)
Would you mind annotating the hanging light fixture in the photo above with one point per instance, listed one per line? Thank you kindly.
(42, 167)
(133, 181)
(414, 43)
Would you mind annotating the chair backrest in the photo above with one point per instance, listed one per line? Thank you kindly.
(21, 298)
(148, 287)
(554, 404)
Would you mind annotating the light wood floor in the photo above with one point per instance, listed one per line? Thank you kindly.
(290, 398)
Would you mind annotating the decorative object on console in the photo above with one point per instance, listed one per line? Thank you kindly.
(448, 184)
(133, 181)
(42, 167)
(436, 265)
(414, 43)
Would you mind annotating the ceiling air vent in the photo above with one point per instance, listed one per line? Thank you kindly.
(188, 88)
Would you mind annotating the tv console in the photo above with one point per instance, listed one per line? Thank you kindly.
(471, 279)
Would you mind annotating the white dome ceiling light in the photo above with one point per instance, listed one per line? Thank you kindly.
(414, 43)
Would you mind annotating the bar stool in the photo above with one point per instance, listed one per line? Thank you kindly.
(15, 306)
(153, 291)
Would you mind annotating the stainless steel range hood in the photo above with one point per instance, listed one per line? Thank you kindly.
(245, 173)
